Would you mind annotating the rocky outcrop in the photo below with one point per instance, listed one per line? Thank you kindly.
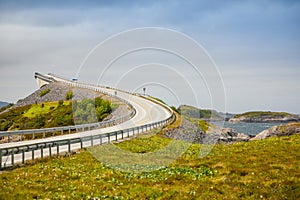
(277, 131)
(57, 91)
(189, 132)
(229, 135)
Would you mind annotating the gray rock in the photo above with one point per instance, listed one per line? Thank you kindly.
(191, 133)
(278, 131)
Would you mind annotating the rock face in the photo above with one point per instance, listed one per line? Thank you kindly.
(57, 91)
(264, 117)
(277, 131)
(187, 131)
(229, 135)
(191, 133)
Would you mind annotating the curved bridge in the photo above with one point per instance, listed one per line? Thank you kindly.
(42, 80)
(148, 114)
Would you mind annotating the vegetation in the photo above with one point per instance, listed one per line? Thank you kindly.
(259, 114)
(194, 112)
(51, 114)
(158, 99)
(90, 111)
(43, 115)
(251, 170)
(69, 95)
(202, 124)
(44, 92)
(174, 109)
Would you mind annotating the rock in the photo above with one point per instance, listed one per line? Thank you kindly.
(277, 131)
(191, 133)
(187, 131)
(229, 135)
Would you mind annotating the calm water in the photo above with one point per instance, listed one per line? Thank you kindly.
(250, 128)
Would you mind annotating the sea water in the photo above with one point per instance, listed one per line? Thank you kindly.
(250, 128)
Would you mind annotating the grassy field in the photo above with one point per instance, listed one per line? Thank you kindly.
(265, 169)
(38, 109)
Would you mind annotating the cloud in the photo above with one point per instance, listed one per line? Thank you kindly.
(255, 43)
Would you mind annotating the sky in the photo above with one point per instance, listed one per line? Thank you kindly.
(254, 46)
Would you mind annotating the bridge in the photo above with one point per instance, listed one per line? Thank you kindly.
(147, 113)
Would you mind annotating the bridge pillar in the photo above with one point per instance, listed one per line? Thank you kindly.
(41, 82)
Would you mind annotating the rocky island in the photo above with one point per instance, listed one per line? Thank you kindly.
(264, 117)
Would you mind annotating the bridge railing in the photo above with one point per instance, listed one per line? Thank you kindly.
(46, 148)
(49, 148)
(78, 128)
(68, 129)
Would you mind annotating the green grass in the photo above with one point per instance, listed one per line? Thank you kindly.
(38, 109)
(202, 124)
(197, 113)
(69, 95)
(144, 144)
(53, 114)
(265, 169)
(44, 92)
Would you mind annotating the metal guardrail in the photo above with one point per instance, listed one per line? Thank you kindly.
(82, 127)
(56, 144)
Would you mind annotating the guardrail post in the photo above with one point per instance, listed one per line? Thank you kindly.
(100, 139)
(42, 152)
(69, 130)
(81, 144)
(32, 156)
(122, 135)
(8, 138)
(69, 146)
(50, 153)
(116, 136)
(33, 136)
(13, 157)
(23, 156)
(62, 131)
(0, 159)
(44, 134)
(57, 149)
(108, 138)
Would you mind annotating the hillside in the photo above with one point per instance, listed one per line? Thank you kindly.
(193, 112)
(265, 117)
(56, 105)
(252, 170)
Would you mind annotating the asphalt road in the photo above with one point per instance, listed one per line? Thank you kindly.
(146, 112)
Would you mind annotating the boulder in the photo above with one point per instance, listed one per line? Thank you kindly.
(277, 131)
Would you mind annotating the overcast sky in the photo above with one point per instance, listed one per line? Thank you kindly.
(254, 44)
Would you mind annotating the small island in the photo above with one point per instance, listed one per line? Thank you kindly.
(264, 117)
